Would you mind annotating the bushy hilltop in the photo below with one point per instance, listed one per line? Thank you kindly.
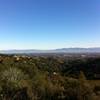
(49, 78)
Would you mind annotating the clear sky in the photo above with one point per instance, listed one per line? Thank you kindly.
(49, 24)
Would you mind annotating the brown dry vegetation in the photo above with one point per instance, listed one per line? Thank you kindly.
(48, 78)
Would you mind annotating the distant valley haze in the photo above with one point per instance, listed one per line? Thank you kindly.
(61, 50)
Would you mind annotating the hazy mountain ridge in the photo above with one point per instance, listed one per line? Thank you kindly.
(61, 50)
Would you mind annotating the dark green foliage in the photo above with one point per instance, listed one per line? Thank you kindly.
(48, 78)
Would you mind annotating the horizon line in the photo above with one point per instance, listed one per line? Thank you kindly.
(49, 49)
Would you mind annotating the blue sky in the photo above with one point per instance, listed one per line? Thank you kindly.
(49, 24)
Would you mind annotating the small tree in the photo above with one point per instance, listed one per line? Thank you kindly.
(82, 77)
(85, 91)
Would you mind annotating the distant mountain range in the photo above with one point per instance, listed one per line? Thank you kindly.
(62, 50)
